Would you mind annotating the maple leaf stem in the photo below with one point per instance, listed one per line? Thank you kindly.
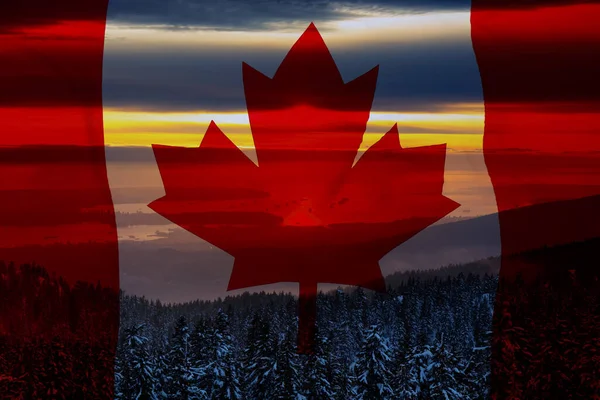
(307, 303)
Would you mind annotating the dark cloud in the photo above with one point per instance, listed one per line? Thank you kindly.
(413, 77)
(256, 14)
(227, 14)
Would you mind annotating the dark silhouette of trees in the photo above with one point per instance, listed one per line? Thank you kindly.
(57, 340)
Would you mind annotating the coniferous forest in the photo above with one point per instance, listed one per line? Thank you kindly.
(424, 340)
(455, 333)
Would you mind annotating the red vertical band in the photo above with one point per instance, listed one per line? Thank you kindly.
(539, 69)
(55, 204)
(539, 66)
(307, 318)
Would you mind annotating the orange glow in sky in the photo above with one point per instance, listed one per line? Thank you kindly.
(460, 127)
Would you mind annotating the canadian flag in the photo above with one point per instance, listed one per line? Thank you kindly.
(99, 102)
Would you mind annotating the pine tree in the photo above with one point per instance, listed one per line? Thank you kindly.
(161, 372)
(417, 385)
(226, 385)
(203, 345)
(401, 383)
(508, 346)
(318, 370)
(479, 363)
(286, 380)
(425, 323)
(463, 307)
(262, 348)
(342, 339)
(373, 373)
(56, 362)
(182, 375)
(446, 375)
(338, 366)
(359, 315)
(119, 369)
(138, 373)
(259, 359)
(343, 382)
(408, 320)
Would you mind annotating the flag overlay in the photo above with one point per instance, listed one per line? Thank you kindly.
(158, 162)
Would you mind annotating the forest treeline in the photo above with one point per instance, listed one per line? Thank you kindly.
(425, 339)
(57, 340)
(429, 337)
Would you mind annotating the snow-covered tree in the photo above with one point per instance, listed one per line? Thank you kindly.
(182, 374)
(259, 359)
(400, 369)
(203, 348)
(373, 375)
(342, 338)
(138, 381)
(152, 361)
(226, 384)
(286, 380)
(338, 366)
(161, 372)
(318, 369)
(119, 361)
(446, 375)
(255, 340)
(415, 383)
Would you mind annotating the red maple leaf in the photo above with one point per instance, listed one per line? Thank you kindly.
(305, 213)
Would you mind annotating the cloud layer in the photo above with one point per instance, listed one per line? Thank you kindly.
(412, 76)
(258, 14)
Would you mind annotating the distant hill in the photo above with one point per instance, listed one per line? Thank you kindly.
(489, 266)
(459, 242)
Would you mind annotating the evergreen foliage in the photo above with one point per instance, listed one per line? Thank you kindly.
(369, 346)
(429, 338)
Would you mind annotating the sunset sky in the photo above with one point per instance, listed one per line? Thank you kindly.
(167, 74)
(166, 78)
(428, 78)
(169, 71)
